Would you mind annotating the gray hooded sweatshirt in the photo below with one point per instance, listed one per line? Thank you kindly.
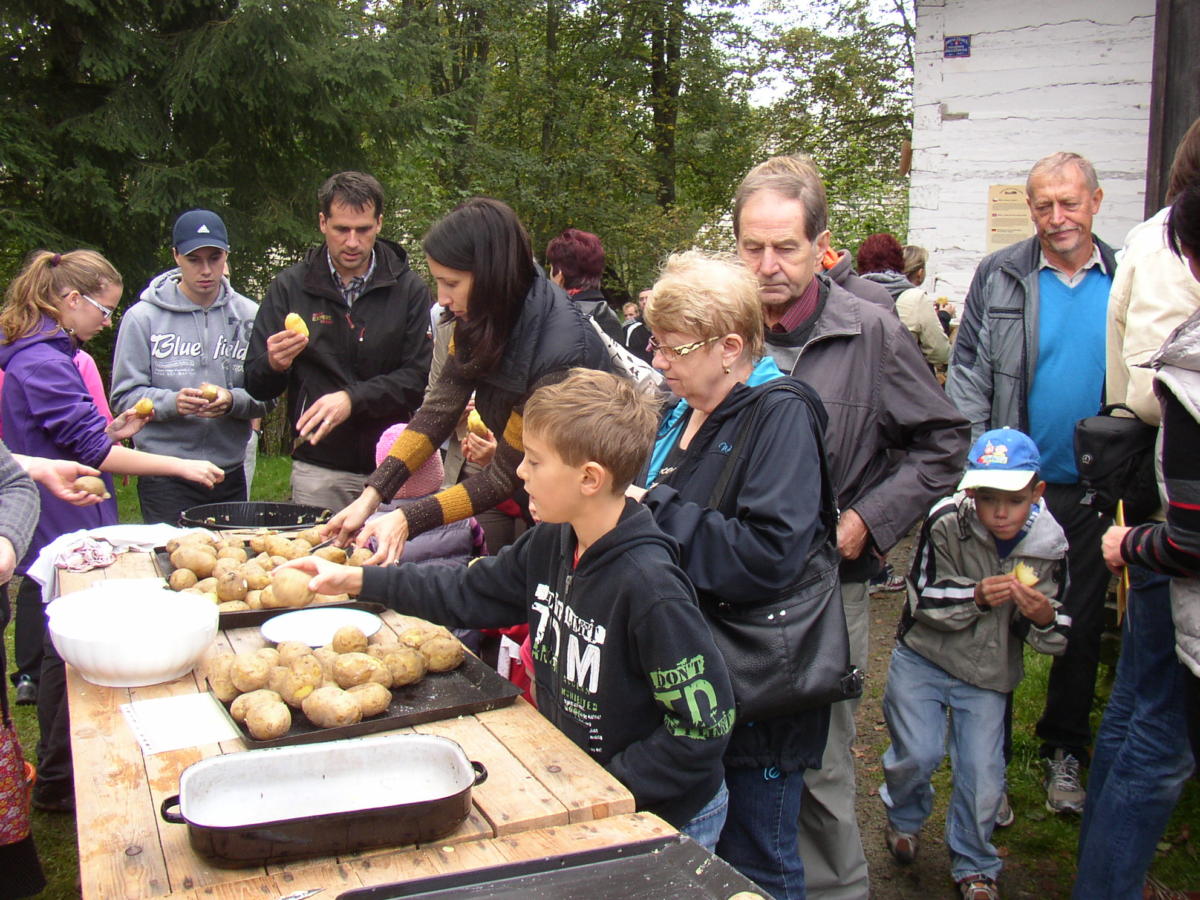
(167, 343)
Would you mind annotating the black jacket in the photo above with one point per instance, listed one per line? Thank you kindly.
(754, 547)
(623, 660)
(592, 303)
(378, 351)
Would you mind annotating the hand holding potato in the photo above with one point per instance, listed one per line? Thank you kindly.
(328, 577)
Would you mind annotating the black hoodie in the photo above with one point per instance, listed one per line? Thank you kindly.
(623, 660)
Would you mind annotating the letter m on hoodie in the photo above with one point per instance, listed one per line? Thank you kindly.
(583, 670)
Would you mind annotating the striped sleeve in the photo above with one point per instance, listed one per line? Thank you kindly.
(1173, 547)
(941, 595)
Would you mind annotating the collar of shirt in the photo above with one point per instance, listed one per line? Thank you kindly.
(799, 310)
(1071, 280)
(352, 289)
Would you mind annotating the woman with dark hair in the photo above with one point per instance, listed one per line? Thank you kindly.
(514, 330)
(1141, 758)
(881, 259)
(576, 262)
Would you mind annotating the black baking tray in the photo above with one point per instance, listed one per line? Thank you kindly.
(473, 687)
(254, 514)
(250, 618)
(667, 868)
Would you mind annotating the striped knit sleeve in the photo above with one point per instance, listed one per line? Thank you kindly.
(19, 503)
(1173, 547)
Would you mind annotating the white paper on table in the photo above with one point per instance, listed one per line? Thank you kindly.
(169, 723)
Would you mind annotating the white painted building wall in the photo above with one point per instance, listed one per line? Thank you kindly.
(1072, 75)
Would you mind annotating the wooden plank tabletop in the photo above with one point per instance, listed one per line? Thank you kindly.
(543, 794)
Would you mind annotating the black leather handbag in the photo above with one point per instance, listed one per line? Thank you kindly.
(793, 653)
(1115, 459)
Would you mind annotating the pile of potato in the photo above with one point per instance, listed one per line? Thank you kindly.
(340, 684)
(240, 574)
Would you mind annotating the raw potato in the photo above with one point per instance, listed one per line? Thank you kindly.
(326, 657)
(182, 579)
(349, 639)
(242, 703)
(333, 554)
(209, 392)
(406, 665)
(200, 559)
(278, 545)
(442, 654)
(312, 535)
(256, 576)
(1025, 574)
(269, 720)
(233, 606)
(249, 672)
(224, 565)
(372, 698)
(359, 557)
(417, 635)
(356, 668)
(258, 542)
(218, 677)
(294, 322)
(295, 683)
(267, 598)
(254, 599)
(232, 553)
(92, 485)
(330, 707)
(270, 654)
(290, 588)
(290, 651)
(231, 586)
(207, 585)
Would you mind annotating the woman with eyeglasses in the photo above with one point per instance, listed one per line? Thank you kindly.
(514, 330)
(746, 542)
(57, 302)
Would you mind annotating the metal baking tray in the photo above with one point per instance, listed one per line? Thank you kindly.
(248, 809)
(668, 868)
(471, 688)
(254, 514)
(250, 618)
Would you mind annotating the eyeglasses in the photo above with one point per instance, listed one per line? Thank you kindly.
(680, 351)
(106, 311)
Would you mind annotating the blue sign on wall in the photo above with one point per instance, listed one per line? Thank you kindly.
(956, 46)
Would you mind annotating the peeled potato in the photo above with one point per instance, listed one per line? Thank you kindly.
(209, 392)
(217, 670)
(255, 575)
(249, 672)
(290, 588)
(1025, 574)
(242, 703)
(293, 322)
(254, 599)
(270, 654)
(268, 720)
(372, 698)
(417, 635)
(92, 485)
(356, 668)
(266, 598)
(349, 639)
(144, 407)
(326, 657)
(181, 579)
(475, 424)
(442, 654)
(406, 665)
(329, 707)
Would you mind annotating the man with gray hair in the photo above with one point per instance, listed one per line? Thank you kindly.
(1030, 354)
(895, 445)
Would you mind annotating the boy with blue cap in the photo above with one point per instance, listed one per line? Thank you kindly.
(988, 573)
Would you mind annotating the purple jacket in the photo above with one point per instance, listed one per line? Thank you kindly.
(47, 411)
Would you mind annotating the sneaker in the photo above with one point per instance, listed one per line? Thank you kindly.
(902, 845)
(887, 582)
(26, 691)
(978, 887)
(1064, 793)
(54, 802)
(1005, 815)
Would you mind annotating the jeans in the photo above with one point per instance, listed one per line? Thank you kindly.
(915, 702)
(1071, 690)
(759, 839)
(705, 827)
(1142, 758)
(163, 498)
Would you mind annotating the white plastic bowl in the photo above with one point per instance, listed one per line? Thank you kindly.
(129, 633)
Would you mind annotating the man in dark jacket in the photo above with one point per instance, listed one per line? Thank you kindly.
(895, 445)
(360, 359)
(1030, 354)
(575, 260)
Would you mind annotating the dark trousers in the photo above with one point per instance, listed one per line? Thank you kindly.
(163, 498)
(1069, 696)
(56, 778)
(29, 631)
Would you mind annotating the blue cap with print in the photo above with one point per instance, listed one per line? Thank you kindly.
(1004, 459)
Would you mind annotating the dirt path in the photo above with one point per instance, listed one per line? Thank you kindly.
(929, 877)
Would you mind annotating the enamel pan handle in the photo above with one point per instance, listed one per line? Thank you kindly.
(480, 776)
(173, 817)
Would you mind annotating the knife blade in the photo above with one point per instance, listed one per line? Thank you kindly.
(301, 895)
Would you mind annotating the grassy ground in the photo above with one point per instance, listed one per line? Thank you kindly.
(54, 833)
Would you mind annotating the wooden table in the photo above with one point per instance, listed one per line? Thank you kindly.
(543, 795)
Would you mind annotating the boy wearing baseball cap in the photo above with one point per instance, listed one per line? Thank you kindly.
(988, 573)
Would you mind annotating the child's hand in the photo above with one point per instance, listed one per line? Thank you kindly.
(329, 577)
(1033, 604)
(995, 590)
(477, 449)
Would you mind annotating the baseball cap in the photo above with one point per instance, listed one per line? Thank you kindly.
(1004, 459)
(199, 228)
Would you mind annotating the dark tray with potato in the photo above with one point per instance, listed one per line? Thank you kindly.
(473, 687)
